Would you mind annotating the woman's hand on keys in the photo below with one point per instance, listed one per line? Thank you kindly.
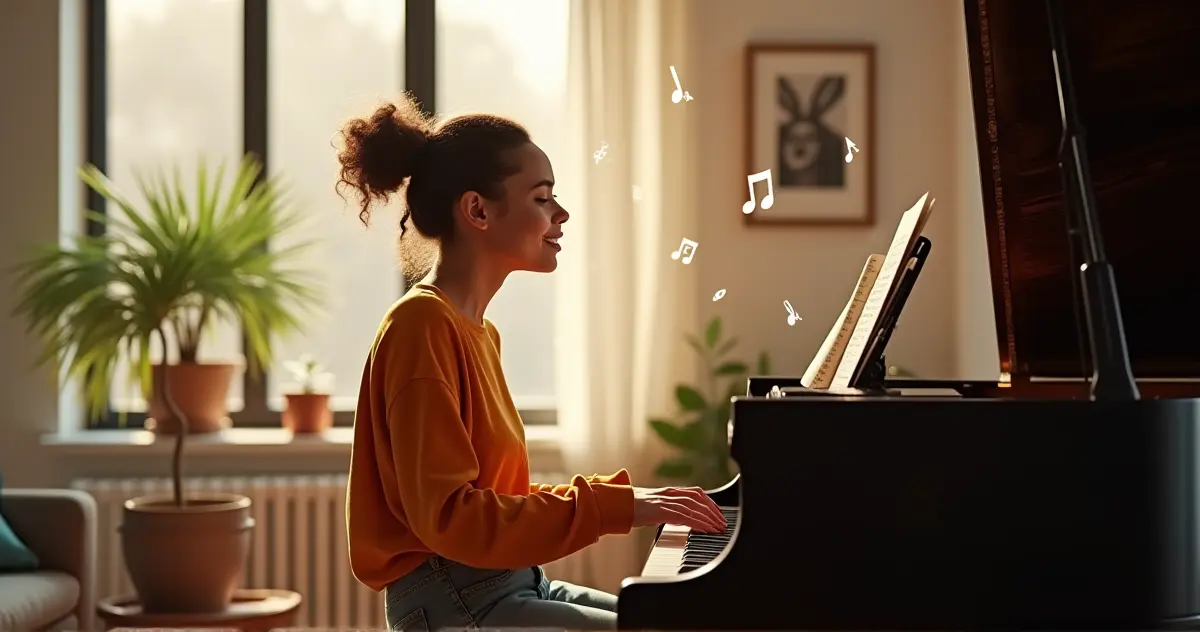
(684, 506)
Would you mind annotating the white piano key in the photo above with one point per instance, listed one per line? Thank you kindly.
(666, 558)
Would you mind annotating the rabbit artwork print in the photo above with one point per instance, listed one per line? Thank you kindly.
(810, 143)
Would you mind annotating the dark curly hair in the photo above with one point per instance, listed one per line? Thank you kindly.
(399, 144)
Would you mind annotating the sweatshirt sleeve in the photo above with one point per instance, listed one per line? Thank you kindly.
(621, 477)
(435, 464)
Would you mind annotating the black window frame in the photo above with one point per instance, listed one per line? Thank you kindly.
(420, 71)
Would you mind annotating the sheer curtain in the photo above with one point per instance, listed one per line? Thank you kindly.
(622, 300)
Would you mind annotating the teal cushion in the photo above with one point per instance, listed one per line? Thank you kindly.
(14, 555)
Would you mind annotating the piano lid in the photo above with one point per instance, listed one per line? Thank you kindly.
(1135, 69)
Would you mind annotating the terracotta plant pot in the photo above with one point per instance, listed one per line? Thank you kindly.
(307, 413)
(188, 559)
(201, 392)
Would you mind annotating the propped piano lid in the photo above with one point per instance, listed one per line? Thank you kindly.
(1134, 65)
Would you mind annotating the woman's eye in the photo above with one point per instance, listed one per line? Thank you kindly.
(541, 200)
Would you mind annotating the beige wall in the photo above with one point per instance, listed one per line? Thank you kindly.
(29, 205)
(923, 142)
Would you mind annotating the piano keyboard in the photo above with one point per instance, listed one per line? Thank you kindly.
(678, 550)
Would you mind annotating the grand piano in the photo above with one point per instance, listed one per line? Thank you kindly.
(1023, 503)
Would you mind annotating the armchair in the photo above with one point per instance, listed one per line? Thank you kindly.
(59, 526)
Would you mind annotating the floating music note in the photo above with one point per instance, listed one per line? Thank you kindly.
(851, 149)
(687, 249)
(793, 317)
(719, 295)
(679, 94)
(599, 155)
(768, 200)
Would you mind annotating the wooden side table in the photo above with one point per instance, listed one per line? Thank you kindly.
(252, 610)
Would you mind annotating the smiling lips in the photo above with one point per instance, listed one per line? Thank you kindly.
(553, 241)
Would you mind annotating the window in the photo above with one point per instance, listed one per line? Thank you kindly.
(175, 79)
(331, 60)
(167, 113)
(510, 58)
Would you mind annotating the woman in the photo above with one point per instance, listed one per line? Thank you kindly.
(441, 515)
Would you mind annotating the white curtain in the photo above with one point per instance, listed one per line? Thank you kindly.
(623, 302)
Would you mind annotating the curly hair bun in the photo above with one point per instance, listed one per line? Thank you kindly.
(382, 151)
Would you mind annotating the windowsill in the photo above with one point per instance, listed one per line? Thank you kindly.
(236, 441)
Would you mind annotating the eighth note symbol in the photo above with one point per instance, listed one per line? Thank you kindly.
(599, 155)
(851, 149)
(687, 248)
(793, 317)
(768, 199)
(679, 94)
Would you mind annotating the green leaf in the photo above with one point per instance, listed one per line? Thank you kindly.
(764, 364)
(689, 398)
(732, 368)
(683, 437)
(712, 333)
(727, 346)
(674, 469)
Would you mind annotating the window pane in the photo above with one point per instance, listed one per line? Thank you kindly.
(331, 60)
(174, 94)
(510, 58)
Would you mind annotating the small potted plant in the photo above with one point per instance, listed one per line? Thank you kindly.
(307, 409)
(700, 434)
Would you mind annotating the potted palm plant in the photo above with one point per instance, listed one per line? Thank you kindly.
(306, 410)
(163, 270)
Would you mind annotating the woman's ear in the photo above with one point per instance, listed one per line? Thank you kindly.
(473, 211)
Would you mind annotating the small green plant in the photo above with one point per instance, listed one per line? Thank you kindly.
(308, 373)
(700, 431)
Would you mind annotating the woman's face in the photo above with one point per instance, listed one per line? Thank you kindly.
(524, 233)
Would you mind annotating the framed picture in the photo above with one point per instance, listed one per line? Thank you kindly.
(810, 127)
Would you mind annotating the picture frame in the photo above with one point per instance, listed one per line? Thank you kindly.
(802, 156)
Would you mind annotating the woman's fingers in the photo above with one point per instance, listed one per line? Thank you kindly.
(710, 505)
(710, 512)
(678, 513)
(693, 516)
(706, 503)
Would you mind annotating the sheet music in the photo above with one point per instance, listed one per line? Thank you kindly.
(825, 362)
(818, 360)
(897, 255)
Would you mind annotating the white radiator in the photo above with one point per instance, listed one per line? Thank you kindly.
(299, 542)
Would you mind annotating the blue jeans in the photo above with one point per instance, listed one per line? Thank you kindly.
(442, 594)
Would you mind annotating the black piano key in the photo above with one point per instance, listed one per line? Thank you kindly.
(712, 538)
(702, 548)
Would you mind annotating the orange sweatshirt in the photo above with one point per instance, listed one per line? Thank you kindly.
(439, 464)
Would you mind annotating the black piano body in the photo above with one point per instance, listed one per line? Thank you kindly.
(1017, 504)
(912, 513)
